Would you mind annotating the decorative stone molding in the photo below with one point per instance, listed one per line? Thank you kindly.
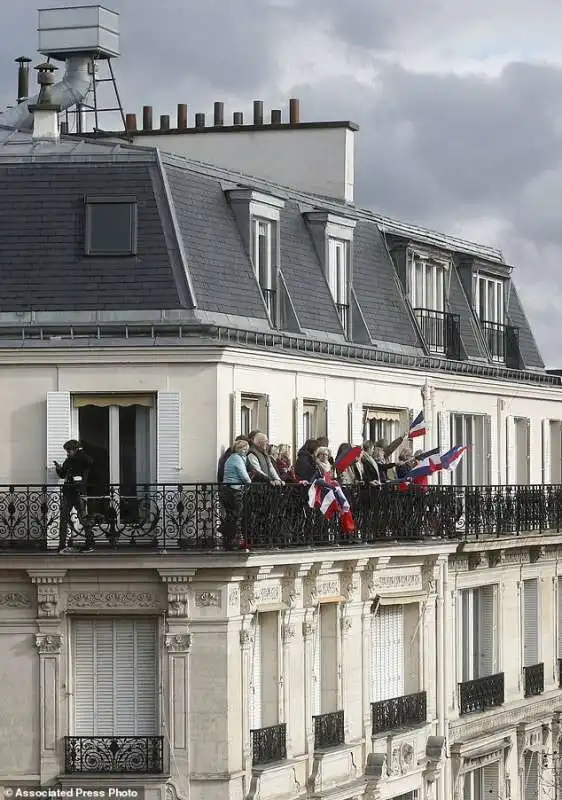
(403, 758)
(234, 598)
(392, 582)
(208, 599)
(246, 637)
(248, 603)
(48, 594)
(515, 556)
(177, 586)
(308, 629)
(493, 558)
(288, 632)
(346, 624)
(99, 600)
(15, 600)
(48, 643)
(178, 642)
(375, 773)
(462, 730)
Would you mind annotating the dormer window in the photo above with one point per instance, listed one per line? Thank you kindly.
(338, 277)
(490, 307)
(263, 251)
(427, 284)
(427, 281)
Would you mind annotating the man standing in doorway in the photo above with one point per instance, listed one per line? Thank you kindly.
(74, 471)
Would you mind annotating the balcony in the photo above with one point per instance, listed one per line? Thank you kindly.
(502, 342)
(481, 693)
(343, 313)
(269, 297)
(269, 744)
(329, 730)
(197, 517)
(114, 755)
(398, 712)
(533, 680)
(440, 332)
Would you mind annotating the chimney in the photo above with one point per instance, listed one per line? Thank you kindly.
(258, 112)
(182, 116)
(147, 118)
(238, 118)
(219, 115)
(131, 123)
(164, 122)
(45, 112)
(200, 120)
(23, 78)
(294, 111)
(276, 116)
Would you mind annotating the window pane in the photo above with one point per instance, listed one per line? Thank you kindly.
(482, 298)
(419, 293)
(264, 253)
(245, 421)
(110, 228)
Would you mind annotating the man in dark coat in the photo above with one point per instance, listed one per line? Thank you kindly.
(74, 471)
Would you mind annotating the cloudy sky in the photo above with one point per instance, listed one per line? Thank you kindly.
(459, 103)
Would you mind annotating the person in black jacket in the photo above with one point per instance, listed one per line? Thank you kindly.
(74, 471)
(305, 465)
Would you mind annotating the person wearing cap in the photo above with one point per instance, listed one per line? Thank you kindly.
(74, 472)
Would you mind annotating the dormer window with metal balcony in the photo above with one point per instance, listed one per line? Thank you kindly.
(427, 290)
(490, 307)
(263, 246)
(338, 277)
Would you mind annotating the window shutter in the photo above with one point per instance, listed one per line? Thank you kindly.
(531, 776)
(264, 422)
(59, 429)
(491, 781)
(491, 444)
(559, 617)
(546, 467)
(298, 426)
(323, 419)
(275, 428)
(510, 450)
(168, 437)
(486, 631)
(256, 683)
(355, 411)
(316, 667)
(236, 403)
(530, 622)
(387, 643)
(444, 422)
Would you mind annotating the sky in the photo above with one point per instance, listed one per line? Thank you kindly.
(459, 104)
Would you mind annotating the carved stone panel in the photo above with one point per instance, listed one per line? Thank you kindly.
(15, 600)
(48, 643)
(111, 599)
(208, 599)
(178, 642)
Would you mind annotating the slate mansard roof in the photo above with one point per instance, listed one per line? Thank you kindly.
(192, 266)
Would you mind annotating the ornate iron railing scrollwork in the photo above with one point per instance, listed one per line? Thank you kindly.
(329, 730)
(116, 755)
(269, 744)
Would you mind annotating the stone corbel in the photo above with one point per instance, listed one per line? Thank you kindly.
(375, 772)
(48, 585)
(48, 644)
(178, 642)
(177, 584)
(434, 754)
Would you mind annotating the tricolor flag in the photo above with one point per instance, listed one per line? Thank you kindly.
(450, 460)
(432, 459)
(329, 499)
(417, 427)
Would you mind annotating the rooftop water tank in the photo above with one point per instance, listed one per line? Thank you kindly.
(64, 32)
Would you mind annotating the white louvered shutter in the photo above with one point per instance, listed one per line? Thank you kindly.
(491, 444)
(559, 617)
(275, 429)
(168, 437)
(115, 677)
(298, 428)
(531, 777)
(530, 622)
(487, 631)
(444, 423)
(491, 782)
(235, 411)
(510, 451)
(256, 679)
(59, 430)
(355, 411)
(325, 409)
(546, 460)
(317, 667)
(387, 640)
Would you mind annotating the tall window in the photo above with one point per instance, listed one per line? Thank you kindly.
(472, 430)
(338, 277)
(383, 424)
(253, 414)
(314, 419)
(263, 250)
(264, 678)
(490, 300)
(530, 622)
(531, 776)
(478, 632)
(483, 783)
(522, 451)
(325, 661)
(426, 285)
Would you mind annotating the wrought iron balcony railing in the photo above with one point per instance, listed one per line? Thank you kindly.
(533, 680)
(269, 744)
(343, 313)
(329, 730)
(115, 755)
(399, 712)
(269, 296)
(441, 331)
(502, 342)
(212, 517)
(481, 693)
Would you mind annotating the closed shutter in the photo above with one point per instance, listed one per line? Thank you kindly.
(168, 437)
(531, 777)
(490, 782)
(546, 466)
(530, 622)
(355, 411)
(487, 635)
(323, 419)
(491, 445)
(387, 643)
(559, 617)
(317, 667)
(255, 681)
(298, 426)
(444, 424)
(235, 410)
(115, 677)
(59, 428)
(510, 451)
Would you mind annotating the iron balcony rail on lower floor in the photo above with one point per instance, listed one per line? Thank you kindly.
(207, 516)
(533, 680)
(269, 744)
(398, 712)
(114, 755)
(481, 693)
(329, 730)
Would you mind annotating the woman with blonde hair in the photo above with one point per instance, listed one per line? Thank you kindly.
(235, 479)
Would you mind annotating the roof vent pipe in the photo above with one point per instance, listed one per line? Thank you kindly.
(23, 77)
(131, 123)
(164, 122)
(294, 111)
(238, 118)
(147, 118)
(45, 112)
(276, 117)
(200, 120)
(219, 115)
(258, 112)
(182, 116)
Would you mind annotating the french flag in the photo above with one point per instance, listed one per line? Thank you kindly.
(418, 427)
(329, 499)
(451, 459)
(429, 463)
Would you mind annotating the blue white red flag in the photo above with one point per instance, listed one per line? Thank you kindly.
(431, 458)
(329, 499)
(451, 459)
(418, 427)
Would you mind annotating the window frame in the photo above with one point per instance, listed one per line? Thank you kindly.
(433, 296)
(258, 407)
(318, 423)
(481, 446)
(396, 419)
(337, 270)
(470, 647)
(498, 286)
(90, 202)
(267, 277)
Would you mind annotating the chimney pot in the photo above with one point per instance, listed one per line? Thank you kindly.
(276, 117)
(131, 122)
(219, 115)
(258, 112)
(164, 122)
(23, 77)
(238, 118)
(294, 111)
(200, 120)
(182, 116)
(45, 112)
(147, 118)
